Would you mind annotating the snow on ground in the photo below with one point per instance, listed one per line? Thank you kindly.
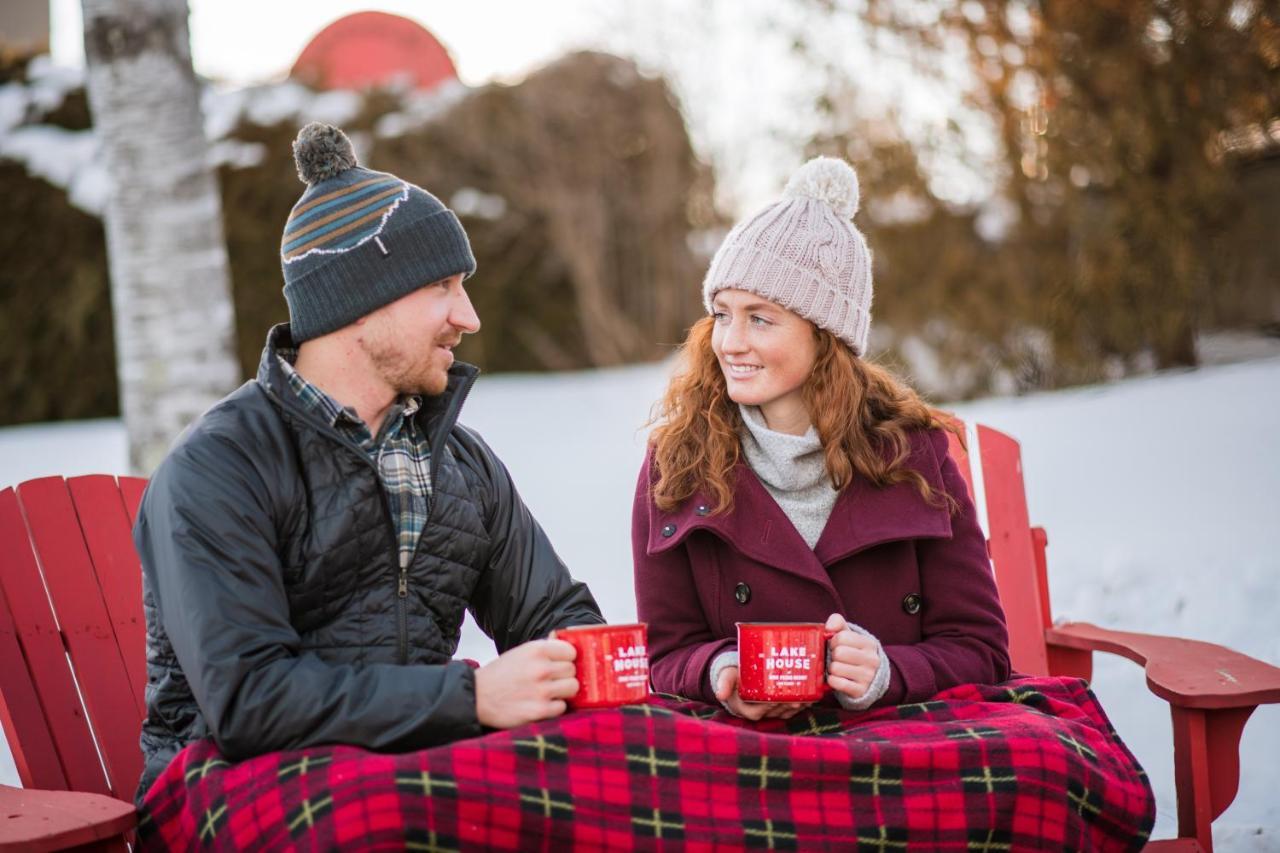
(1159, 495)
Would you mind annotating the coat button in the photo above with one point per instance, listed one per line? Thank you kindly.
(702, 509)
(911, 604)
(668, 531)
(742, 592)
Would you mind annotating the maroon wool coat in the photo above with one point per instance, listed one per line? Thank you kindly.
(914, 575)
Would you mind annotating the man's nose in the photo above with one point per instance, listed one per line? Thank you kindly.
(463, 315)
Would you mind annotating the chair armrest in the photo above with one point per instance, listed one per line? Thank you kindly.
(1187, 673)
(35, 820)
(1173, 845)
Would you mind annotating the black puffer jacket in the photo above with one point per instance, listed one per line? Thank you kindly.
(276, 617)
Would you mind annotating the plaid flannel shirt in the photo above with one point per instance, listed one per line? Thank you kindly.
(401, 451)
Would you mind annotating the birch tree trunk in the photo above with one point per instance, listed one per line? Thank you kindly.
(170, 286)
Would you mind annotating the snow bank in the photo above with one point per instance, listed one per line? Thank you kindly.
(1159, 495)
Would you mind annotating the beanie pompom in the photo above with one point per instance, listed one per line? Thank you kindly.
(829, 180)
(322, 151)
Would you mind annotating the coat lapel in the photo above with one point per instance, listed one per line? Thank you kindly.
(756, 527)
(865, 516)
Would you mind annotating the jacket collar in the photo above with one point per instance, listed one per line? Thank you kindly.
(437, 415)
(863, 516)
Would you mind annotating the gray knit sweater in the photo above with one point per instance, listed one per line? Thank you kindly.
(793, 469)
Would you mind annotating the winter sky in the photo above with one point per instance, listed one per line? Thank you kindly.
(248, 41)
(746, 95)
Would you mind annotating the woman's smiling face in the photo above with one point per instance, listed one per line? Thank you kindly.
(766, 354)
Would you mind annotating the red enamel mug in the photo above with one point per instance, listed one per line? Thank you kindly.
(782, 661)
(612, 664)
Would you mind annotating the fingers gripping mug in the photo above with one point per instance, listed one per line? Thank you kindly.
(612, 664)
(782, 661)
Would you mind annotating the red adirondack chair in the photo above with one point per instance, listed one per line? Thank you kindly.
(1210, 689)
(71, 684)
(71, 538)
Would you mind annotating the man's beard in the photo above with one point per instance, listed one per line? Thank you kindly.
(429, 377)
(408, 373)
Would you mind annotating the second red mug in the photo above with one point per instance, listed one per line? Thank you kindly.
(782, 661)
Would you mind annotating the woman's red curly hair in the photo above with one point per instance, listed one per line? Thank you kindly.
(862, 413)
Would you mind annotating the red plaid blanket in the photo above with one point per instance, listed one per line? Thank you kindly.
(1030, 764)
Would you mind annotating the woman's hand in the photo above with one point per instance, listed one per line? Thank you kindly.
(727, 693)
(854, 658)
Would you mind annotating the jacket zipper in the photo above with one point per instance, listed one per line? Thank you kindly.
(448, 419)
(402, 614)
(402, 578)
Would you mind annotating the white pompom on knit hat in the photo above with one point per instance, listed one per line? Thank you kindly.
(804, 253)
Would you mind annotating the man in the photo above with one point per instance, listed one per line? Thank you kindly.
(310, 544)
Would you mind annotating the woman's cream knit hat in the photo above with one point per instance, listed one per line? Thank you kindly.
(804, 253)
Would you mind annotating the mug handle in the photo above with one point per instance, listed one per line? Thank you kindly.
(826, 656)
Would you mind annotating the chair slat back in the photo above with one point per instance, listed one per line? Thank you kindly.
(1012, 552)
(20, 713)
(107, 535)
(55, 751)
(79, 531)
(961, 456)
(131, 489)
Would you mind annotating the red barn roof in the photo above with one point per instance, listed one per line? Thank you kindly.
(372, 48)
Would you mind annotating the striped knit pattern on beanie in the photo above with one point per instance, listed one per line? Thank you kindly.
(804, 254)
(358, 239)
(342, 217)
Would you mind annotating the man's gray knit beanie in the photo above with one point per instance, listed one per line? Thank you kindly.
(358, 239)
(804, 253)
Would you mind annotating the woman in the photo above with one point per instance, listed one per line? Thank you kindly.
(790, 480)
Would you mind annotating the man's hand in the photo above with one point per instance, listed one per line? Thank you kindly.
(528, 683)
(854, 659)
(727, 693)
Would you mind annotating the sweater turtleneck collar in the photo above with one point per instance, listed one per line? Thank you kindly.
(783, 462)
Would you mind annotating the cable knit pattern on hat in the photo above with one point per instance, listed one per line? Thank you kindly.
(804, 253)
(793, 469)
